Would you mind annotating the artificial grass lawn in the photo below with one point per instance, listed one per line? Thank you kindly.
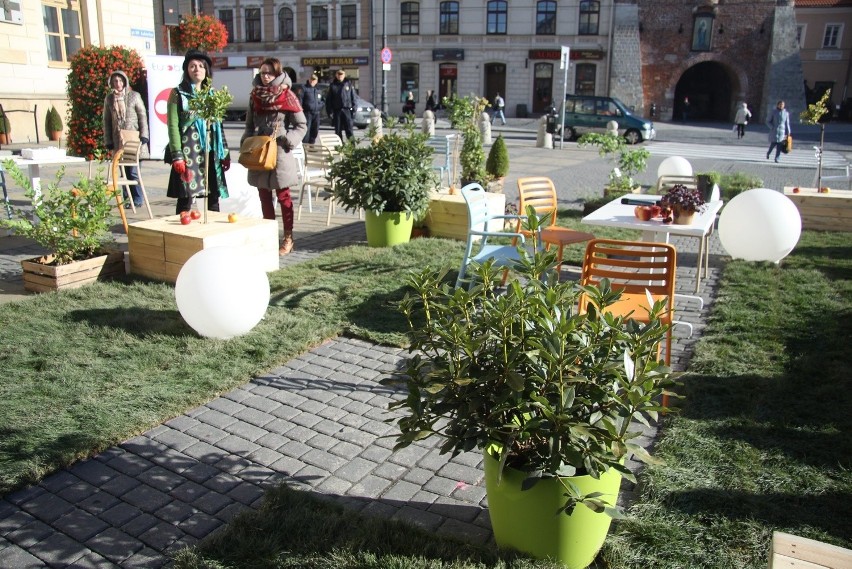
(86, 369)
(762, 444)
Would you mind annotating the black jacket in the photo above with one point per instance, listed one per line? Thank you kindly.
(340, 95)
(309, 97)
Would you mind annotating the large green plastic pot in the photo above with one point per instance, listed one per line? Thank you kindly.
(531, 520)
(388, 228)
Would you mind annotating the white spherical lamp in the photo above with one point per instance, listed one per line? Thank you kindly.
(760, 225)
(221, 293)
(674, 166)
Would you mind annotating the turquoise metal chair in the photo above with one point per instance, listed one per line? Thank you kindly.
(478, 234)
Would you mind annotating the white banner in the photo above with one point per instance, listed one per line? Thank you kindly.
(164, 74)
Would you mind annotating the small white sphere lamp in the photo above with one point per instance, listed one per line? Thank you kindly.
(760, 225)
(221, 293)
(674, 166)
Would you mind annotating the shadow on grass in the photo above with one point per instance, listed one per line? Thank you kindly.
(140, 322)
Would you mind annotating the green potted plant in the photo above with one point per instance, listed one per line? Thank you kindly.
(5, 129)
(53, 124)
(547, 393)
(813, 115)
(627, 163)
(390, 179)
(497, 164)
(72, 224)
(464, 114)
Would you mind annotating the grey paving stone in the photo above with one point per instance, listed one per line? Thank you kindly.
(174, 460)
(370, 486)
(161, 535)
(143, 446)
(130, 464)
(98, 502)
(80, 524)
(200, 473)
(180, 423)
(460, 473)
(26, 495)
(355, 469)
(200, 525)
(92, 560)
(419, 518)
(19, 558)
(176, 439)
(29, 534)
(246, 493)
(120, 485)
(145, 558)
(222, 482)
(140, 524)
(175, 512)
(120, 514)
(245, 430)
(13, 520)
(114, 544)
(234, 444)
(55, 483)
(212, 502)
(188, 492)
(47, 507)
(161, 479)
(205, 452)
(215, 418)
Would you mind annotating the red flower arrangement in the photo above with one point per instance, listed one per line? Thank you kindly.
(87, 86)
(202, 32)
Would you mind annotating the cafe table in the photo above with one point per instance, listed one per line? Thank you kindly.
(619, 214)
(33, 166)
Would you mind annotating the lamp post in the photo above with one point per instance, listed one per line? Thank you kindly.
(384, 73)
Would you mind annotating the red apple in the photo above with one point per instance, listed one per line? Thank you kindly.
(643, 212)
(195, 214)
(185, 220)
(656, 211)
(796, 190)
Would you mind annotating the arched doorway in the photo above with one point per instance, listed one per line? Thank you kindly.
(495, 80)
(709, 87)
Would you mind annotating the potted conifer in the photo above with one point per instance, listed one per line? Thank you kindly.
(53, 124)
(546, 392)
(497, 164)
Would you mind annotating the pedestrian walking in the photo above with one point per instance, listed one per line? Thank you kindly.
(275, 108)
(431, 102)
(125, 118)
(409, 106)
(310, 97)
(778, 122)
(499, 104)
(340, 104)
(741, 119)
(191, 151)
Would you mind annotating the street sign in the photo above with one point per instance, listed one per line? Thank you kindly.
(387, 56)
(566, 57)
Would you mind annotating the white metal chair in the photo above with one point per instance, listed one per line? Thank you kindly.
(442, 149)
(666, 181)
(5, 191)
(329, 140)
(125, 158)
(477, 220)
(318, 160)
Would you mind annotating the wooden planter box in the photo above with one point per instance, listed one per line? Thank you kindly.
(42, 278)
(447, 215)
(160, 247)
(829, 212)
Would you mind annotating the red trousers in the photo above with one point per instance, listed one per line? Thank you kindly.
(267, 206)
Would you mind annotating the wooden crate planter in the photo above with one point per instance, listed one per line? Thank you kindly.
(829, 212)
(160, 247)
(447, 215)
(42, 278)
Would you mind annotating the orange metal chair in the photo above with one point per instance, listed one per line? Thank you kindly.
(637, 268)
(539, 192)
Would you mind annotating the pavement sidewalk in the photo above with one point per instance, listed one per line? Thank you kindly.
(316, 422)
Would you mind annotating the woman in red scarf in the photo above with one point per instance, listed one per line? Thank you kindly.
(275, 108)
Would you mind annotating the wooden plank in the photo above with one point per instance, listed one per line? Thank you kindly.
(72, 275)
(800, 549)
(824, 212)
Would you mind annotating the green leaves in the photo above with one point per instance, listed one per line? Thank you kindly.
(72, 224)
(211, 104)
(522, 369)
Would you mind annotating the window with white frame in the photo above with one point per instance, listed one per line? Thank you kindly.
(409, 18)
(253, 33)
(319, 22)
(348, 22)
(831, 37)
(227, 19)
(449, 18)
(286, 27)
(497, 11)
(800, 35)
(63, 31)
(590, 14)
(545, 18)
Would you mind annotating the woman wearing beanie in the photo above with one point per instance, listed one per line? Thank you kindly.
(190, 150)
(273, 107)
(124, 111)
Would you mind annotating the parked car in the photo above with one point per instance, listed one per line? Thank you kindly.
(361, 116)
(586, 113)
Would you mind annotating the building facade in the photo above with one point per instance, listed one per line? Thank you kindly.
(37, 39)
(826, 51)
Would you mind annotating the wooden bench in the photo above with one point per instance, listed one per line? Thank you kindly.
(828, 212)
(794, 552)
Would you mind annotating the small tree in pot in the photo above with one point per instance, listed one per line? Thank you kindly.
(390, 179)
(497, 164)
(53, 124)
(546, 392)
